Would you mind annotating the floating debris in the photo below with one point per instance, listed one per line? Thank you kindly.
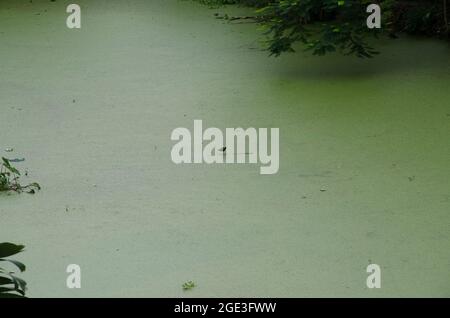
(188, 285)
(16, 160)
(9, 149)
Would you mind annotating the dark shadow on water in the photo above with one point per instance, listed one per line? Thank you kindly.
(396, 56)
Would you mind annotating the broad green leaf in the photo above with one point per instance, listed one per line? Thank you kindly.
(19, 265)
(6, 281)
(8, 249)
(7, 289)
(10, 295)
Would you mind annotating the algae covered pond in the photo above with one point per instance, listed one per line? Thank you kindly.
(364, 158)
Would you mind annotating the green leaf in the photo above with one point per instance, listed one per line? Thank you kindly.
(10, 295)
(19, 284)
(7, 289)
(8, 249)
(19, 265)
(188, 285)
(8, 166)
(5, 161)
(6, 280)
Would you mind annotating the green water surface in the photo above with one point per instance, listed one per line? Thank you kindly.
(92, 111)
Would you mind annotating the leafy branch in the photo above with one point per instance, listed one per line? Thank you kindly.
(11, 286)
(325, 26)
(9, 179)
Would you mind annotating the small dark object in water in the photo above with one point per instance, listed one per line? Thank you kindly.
(16, 160)
(223, 149)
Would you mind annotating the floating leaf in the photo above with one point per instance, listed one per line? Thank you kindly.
(188, 285)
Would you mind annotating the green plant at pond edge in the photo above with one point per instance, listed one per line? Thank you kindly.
(188, 285)
(9, 179)
(10, 285)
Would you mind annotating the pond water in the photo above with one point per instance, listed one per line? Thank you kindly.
(364, 157)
